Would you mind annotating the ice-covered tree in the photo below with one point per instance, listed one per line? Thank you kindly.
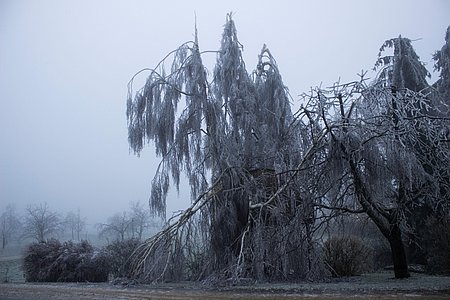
(427, 112)
(403, 69)
(237, 141)
(263, 180)
(442, 59)
(386, 148)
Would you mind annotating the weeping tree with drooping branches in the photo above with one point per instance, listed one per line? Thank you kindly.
(239, 145)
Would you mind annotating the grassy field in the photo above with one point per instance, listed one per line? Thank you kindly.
(368, 286)
(10, 270)
(376, 286)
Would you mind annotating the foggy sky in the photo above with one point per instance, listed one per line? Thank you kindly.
(65, 65)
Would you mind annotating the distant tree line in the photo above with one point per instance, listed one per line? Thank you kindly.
(132, 224)
(40, 223)
(56, 250)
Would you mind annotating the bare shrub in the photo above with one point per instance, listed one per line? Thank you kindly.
(53, 261)
(120, 253)
(346, 256)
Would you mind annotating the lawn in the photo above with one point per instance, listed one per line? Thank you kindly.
(375, 285)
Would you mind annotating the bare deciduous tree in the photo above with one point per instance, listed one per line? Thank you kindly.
(130, 224)
(10, 224)
(387, 148)
(140, 220)
(41, 223)
(75, 223)
(117, 227)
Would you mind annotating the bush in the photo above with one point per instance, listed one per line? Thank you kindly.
(346, 256)
(438, 246)
(381, 254)
(120, 253)
(53, 261)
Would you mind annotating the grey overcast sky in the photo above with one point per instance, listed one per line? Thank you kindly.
(65, 65)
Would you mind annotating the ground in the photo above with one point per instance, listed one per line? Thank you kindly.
(378, 285)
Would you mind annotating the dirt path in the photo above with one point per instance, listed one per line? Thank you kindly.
(371, 286)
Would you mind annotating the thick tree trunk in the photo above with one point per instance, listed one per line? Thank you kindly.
(386, 223)
(398, 253)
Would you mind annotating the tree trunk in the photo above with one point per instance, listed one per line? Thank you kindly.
(385, 221)
(398, 253)
(40, 236)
